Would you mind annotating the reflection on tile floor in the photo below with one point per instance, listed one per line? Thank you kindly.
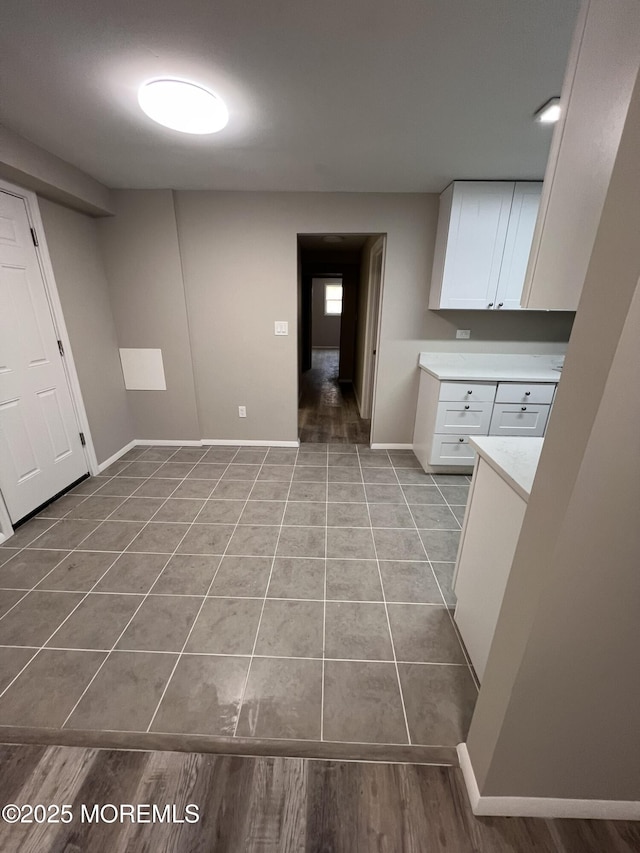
(255, 592)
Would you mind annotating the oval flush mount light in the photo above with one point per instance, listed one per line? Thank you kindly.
(333, 238)
(183, 106)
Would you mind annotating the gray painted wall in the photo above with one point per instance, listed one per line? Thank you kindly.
(325, 331)
(557, 715)
(142, 261)
(233, 257)
(84, 294)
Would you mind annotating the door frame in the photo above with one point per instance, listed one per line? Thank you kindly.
(372, 335)
(55, 306)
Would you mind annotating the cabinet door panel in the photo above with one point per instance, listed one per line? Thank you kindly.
(463, 418)
(525, 393)
(464, 392)
(513, 419)
(475, 244)
(452, 450)
(522, 222)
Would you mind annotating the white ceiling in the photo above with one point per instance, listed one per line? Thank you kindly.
(351, 95)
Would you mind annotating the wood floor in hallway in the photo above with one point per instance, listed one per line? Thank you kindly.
(328, 411)
(260, 805)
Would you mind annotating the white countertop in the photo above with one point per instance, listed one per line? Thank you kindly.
(514, 458)
(492, 367)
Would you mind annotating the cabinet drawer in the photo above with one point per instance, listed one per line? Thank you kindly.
(451, 450)
(463, 418)
(513, 419)
(521, 392)
(464, 392)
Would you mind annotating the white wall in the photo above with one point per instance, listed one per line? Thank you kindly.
(84, 294)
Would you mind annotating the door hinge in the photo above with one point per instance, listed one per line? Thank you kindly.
(83, 440)
(60, 348)
(34, 236)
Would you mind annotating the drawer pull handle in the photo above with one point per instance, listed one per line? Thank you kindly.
(469, 392)
(524, 408)
(461, 439)
(527, 393)
(466, 407)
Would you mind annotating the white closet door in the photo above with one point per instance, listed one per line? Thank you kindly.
(475, 245)
(524, 212)
(40, 448)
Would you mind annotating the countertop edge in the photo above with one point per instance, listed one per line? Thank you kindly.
(500, 468)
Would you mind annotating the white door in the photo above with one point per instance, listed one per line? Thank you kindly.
(40, 448)
(475, 246)
(522, 222)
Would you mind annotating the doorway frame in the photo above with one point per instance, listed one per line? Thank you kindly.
(55, 306)
(372, 335)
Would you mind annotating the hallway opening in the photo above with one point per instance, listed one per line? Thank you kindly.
(339, 292)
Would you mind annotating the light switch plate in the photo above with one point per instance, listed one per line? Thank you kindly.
(281, 327)
(463, 334)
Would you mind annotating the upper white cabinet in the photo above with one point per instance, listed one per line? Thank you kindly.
(600, 77)
(485, 229)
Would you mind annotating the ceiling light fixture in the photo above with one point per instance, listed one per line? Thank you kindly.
(183, 106)
(333, 238)
(548, 113)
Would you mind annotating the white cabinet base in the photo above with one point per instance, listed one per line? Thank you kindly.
(489, 537)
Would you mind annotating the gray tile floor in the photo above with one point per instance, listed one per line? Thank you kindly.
(250, 592)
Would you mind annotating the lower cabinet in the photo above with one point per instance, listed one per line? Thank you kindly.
(449, 412)
(484, 559)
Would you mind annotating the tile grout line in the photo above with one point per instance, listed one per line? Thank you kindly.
(70, 551)
(67, 553)
(136, 611)
(446, 606)
(201, 595)
(264, 601)
(238, 655)
(386, 608)
(324, 599)
(206, 595)
(22, 598)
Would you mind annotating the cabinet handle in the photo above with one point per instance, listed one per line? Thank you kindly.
(461, 439)
(490, 305)
(469, 392)
(466, 407)
(527, 393)
(500, 304)
(524, 408)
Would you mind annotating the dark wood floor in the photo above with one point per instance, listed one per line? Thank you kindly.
(328, 411)
(258, 805)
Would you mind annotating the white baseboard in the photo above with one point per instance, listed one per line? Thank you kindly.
(246, 442)
(150, 442)
(116, 456)
(547, 807)
(391, 446)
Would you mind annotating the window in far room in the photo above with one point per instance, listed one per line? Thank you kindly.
(332, 299)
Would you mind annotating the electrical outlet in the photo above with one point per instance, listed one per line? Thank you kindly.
(242, 411)
(463, 334)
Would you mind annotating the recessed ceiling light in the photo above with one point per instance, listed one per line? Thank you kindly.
(333, 238)
(549, 112)
(183, 106)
